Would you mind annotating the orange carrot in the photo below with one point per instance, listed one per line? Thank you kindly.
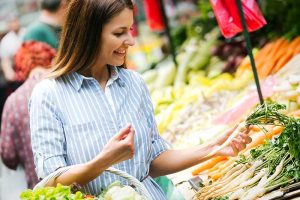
(224, 167)
(295, 42)
(216, 176)
(255, 128)
(207, 164)
(270, 59)
(296, 50)
(258, 57)
(216, 167)
(260, 137)
(283, 60)
(263, 54)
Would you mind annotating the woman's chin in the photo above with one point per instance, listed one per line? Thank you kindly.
(117, 63)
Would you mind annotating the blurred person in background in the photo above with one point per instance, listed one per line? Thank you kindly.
(32, 62)
(48, 27)
(8, 47)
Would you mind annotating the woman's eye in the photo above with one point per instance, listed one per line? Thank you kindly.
(118, 34)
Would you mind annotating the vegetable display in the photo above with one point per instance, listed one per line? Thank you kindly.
(274, 164)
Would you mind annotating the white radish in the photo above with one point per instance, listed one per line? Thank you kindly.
(246, 175)
(221, 180)
(230, 171)
(255, 188)
(258, 192)
(241, 127)
(277, 171)
(239, 191)
(256, 178)
(224, 182)
(237, 194)
(261, 189)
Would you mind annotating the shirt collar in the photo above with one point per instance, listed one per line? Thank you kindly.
(116, 76)
(77, 79)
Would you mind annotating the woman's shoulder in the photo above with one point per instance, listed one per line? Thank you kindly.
(131, 75)
(45, 88)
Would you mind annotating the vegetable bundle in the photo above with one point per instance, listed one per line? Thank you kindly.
(268, 167)
(273, 56)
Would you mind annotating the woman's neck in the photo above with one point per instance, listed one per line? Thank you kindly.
(101, 74)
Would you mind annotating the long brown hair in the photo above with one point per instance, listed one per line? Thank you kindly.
(81, 35)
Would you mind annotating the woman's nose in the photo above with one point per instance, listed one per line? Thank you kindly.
(130, 40)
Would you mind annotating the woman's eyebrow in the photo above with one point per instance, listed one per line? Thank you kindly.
(123, 27)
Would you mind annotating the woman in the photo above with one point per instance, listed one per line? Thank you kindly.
(94, 112)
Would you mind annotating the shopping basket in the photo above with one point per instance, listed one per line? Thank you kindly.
(132, 180)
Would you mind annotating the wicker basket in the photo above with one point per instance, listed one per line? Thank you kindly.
(132, 180)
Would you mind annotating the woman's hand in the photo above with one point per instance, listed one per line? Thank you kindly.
(237, 144)
(121, 146)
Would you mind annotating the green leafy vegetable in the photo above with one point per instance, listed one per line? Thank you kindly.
(52, 193)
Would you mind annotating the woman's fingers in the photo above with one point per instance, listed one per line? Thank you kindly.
(234, 149)
(245, 138)
(239, 144)
(130, 140)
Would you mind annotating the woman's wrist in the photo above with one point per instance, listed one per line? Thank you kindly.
(203, 151)
(100, 163)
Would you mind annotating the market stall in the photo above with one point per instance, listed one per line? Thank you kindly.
(198, 105)
(206, 85)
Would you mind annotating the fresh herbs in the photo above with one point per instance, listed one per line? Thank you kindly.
(269, 114)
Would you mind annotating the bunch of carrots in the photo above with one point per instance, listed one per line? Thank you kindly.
(273, 56)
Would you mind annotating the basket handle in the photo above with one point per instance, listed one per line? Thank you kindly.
(132, 180)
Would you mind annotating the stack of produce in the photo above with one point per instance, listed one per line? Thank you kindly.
(273, 56)
(170, 101)
(190, 128)
(231, 52)
(262, 169)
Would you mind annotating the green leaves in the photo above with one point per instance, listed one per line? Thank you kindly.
(241, 160)
(269, 113)
(291, 134)
(52, 193)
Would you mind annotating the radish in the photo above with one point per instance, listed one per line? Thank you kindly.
(239, 191)
(261, 188)
(238, 180)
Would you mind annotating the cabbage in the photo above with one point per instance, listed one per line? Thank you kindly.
(116, 191)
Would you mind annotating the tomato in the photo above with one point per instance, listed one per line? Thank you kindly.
(88, 196)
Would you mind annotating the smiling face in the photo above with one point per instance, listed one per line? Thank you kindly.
(116, 38)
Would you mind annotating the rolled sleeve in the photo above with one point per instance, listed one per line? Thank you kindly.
(47, 135)
(159, 145)
(46, 166)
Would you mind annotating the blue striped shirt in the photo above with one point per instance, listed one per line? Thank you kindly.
(71, 119)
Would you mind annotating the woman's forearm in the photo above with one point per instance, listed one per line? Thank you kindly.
(172, 161)
(119, 148)
(84, 173)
